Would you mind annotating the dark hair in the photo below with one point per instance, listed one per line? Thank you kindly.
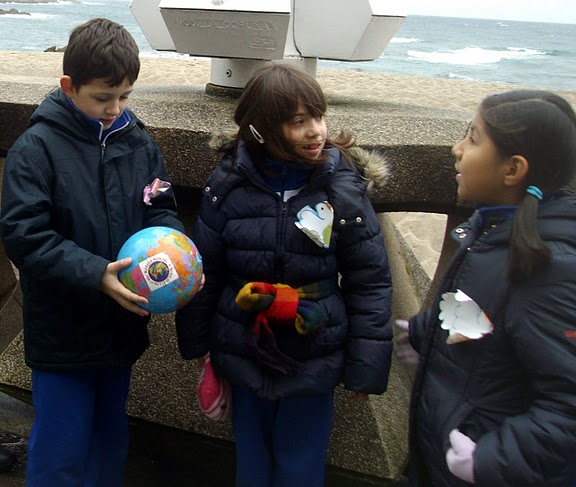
(270, 99)
(541, 127)
(104, 49)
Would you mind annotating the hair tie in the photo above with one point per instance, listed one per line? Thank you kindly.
(534, 191)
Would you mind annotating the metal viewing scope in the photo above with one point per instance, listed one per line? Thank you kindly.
(241, 35)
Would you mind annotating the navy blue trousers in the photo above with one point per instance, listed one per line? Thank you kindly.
(79, 437)
(281, 443)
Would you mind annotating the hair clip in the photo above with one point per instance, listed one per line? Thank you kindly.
(534, 191)
(256, 134)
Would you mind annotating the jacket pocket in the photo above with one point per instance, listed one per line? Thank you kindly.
(459, 418)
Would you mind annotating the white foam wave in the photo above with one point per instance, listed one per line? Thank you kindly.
(403, 40)
(169, 54)
(461, 77)
(470, 56)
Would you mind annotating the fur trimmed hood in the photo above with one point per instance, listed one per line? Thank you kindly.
(371, 164)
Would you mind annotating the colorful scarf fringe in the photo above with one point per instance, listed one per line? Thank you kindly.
(279, 306)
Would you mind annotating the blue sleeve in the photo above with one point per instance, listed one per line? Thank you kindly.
(25, 226)
(418, 327)
(537, 447)
(367, 291)
(192, 322)
(162, 211)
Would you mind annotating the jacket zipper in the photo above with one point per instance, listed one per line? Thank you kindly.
(102, 168)
(281, 237)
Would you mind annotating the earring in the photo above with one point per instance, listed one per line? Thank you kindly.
(256, 134)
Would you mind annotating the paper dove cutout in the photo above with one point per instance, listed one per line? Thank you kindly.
(463, 318)
(316, 223)
(152, 190)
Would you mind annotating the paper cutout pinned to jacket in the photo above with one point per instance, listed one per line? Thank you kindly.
(316, 223)
(154, 189)
(463, 318)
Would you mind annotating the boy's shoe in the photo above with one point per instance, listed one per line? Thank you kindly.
(7, 458)
(214, 395)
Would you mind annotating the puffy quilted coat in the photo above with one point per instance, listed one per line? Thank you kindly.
(69, 202)
(245, 232)
(512, 391)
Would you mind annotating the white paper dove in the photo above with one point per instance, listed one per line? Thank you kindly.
(463, 318)
(317, 223)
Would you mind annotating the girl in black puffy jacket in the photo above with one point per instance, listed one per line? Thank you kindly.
(494, 398)
(298, 293)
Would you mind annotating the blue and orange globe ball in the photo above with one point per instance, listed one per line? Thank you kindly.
(166, 268)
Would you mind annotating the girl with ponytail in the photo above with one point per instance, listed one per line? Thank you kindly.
(494, 397)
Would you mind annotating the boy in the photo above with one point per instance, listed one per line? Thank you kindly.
(72, 195)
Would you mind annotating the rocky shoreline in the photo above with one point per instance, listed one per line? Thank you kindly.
(34, 1)
(12, 11)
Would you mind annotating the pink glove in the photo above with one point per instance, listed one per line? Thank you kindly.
(404, 351)
(213, 393)
(460, 458)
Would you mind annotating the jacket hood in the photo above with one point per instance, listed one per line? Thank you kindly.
(372, 165)
(56, 111)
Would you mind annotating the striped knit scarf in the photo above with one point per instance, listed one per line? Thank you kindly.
(279, 306)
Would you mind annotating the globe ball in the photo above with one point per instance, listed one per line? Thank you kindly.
(166, 268)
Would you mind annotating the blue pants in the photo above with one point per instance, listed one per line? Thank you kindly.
(79, 436)
(281, 443)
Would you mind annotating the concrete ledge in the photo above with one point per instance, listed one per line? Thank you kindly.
(368, 439)
(416, 140)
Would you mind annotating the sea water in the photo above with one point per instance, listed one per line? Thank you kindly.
(528, 53)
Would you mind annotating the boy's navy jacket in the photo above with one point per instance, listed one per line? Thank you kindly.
(513, 391)
(68, 204)
(245, 232)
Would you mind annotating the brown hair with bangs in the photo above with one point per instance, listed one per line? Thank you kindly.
(101, 48)
(271, 99)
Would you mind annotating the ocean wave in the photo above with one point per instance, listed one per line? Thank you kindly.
(168, 54)
(403, 40)
(470, 56)
(565, 53)
(462, 77)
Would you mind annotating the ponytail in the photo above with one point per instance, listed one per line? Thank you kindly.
(541, 127)
(527, 251)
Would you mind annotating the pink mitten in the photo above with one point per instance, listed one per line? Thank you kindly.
(214, 396)
(460, 458)
(404, 351)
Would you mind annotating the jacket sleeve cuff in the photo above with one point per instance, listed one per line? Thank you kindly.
(368, 366)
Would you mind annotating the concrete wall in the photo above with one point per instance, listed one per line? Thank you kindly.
(368, 438)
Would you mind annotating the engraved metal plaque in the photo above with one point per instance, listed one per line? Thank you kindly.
(225, 33)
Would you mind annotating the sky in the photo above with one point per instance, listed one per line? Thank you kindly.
(561, 11)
